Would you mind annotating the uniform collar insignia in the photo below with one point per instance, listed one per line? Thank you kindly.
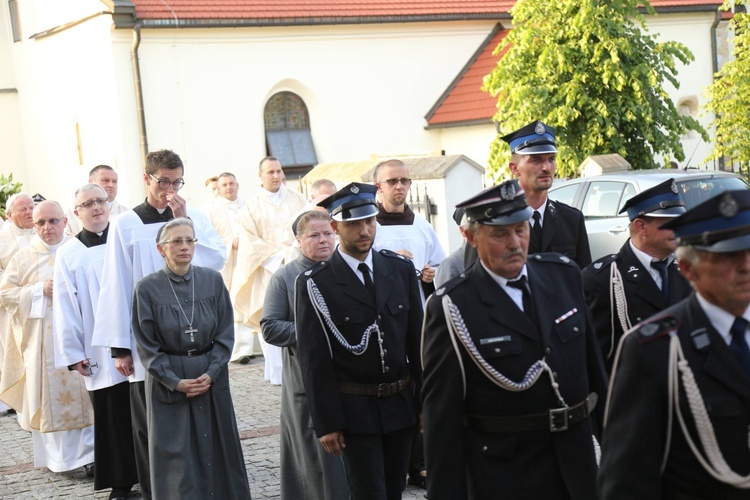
(598, 265)
(632, 269)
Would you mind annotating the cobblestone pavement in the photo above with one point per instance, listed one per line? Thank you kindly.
(257, 407)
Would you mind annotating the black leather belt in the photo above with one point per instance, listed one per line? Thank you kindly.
(191, 353)
(555, 420)
(378, 390)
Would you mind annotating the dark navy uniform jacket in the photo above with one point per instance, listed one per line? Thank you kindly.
(466, 463)
(637, 431)
(643, 296)
(563, 231)
(324, 361)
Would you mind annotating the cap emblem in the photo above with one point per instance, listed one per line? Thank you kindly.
(508, 191)
(728, 207)
(354, 189)
(539, 129)
(673, 187)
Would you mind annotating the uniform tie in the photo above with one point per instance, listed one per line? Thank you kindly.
(368, 280)
(663, 267)
(528, 302)
(537, 226)
(738, 345)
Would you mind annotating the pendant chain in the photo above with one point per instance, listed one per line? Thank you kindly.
(192, 307)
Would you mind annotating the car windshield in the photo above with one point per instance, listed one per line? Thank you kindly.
(696, 191)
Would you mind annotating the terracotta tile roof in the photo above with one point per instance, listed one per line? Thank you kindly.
(337, 9)
(314, 9)
(464, 100)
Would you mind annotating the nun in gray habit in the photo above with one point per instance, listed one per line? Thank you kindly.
(307, 471)
(183, 326)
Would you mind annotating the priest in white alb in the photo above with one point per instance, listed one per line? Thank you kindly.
(225, 213)
(15, 234)
(54, 403)
(78, 267)
(266, 242)
(130, 255)
(106, 177)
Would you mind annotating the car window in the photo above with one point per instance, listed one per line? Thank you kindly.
(566, 193)
(696, 191)
(603, 199)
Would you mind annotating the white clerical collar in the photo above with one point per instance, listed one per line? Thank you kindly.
(227, 202)
(19, 230)
(354, 263)
(53, 248)
(273, 197)
(720, 319)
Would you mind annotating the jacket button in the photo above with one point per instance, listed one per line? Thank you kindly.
(346, 318)
(387, 369)
(400, 306)
(497, 349)
(484, 448)
(575, 328)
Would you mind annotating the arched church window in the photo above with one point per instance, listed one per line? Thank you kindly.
(288, 135)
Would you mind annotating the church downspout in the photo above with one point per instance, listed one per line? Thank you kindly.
(139, 92)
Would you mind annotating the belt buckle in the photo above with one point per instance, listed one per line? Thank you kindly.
(381, 389)
(191, 353)
(558, 420)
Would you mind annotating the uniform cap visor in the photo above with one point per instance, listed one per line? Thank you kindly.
(355, 213)
(737, 244)
(506, 220)
(537, 150)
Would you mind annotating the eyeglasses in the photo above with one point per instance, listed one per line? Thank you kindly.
(42, 223)
(181, 241)
(165, 183)
(99, 201)
(392, 182)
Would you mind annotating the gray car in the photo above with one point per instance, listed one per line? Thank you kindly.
(601, 197)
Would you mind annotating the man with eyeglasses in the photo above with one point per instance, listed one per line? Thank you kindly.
(130, 255)
(15, 234)
(266, 242)
(77, 271)
(53, 403)
(399, 228)
(107, 178)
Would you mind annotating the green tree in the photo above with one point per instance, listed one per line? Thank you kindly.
(7, 189)
(730, 94)
(589, 69)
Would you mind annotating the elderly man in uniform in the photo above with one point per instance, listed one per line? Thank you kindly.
(678, 411)
(555, 227)
(106, 177)
(77, 270)
(640, 280)
(512, 368)
(15, 234)
(53, 403)
(358, 316)
(307, 471)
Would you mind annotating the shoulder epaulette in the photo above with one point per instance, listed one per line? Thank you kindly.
(451, 284)
(392, 254)
(602, 263)
(656, 327)
(557, 258)
(315, 268)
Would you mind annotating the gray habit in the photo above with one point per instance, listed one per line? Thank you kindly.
(307, 471)
(194, 446)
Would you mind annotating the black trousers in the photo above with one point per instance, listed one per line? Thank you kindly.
(377, 463)
(140, 436)
(114, 453)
